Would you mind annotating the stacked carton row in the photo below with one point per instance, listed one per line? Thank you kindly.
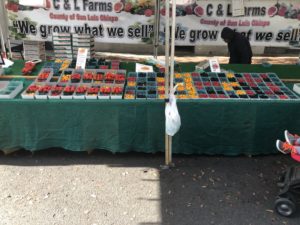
(62, 44)
(34, 50)
(83, 41)
(66, 45)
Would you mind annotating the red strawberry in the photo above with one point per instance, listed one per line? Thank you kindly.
(48, 4)
(148, 12)
(163, 11)
(15, 8)
(10, 5)
(128, 7)
(282, 11)
(189, 10)
(118, 7)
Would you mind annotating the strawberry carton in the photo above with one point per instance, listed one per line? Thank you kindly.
(56, 91)
(45, 75)
(92, 92)
(88, 77)
(29, 93)
(116, 92)
(68, 92)
(43, 91)
(109, 77)
(120, 79)
(77, 75)
(98, 78)
(80, 92)
(75, 78)
(105, 92)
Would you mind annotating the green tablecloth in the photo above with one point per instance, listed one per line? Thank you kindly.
(283, 71)
(228, 127)
(16, 69)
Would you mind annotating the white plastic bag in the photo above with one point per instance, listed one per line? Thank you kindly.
(173, 121)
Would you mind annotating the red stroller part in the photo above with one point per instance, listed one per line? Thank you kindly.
(295, 156)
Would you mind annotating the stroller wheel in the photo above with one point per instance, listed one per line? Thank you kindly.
(285, 207)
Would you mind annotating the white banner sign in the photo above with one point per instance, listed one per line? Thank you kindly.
(265, 22)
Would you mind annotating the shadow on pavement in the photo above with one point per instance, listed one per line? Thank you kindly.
(223, 190)
(198, 190)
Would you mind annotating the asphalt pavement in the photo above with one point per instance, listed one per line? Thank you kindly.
(76, 188)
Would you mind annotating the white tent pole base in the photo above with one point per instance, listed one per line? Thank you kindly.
(166, 167)
(170, 150)
(166, 149)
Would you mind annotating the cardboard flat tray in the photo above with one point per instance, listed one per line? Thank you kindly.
(115, 96)
(66, 96)
(296, 88)
(10, 89)
(53, 96)
(41, 97)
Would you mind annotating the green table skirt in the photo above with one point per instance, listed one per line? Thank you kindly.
(227, 127)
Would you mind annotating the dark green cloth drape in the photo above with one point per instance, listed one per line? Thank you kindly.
(228, 127)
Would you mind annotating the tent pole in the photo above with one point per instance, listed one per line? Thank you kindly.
(7, 32)
(3, 24)
(167, 51)
(156, 28)
(2, 41)
(172, 63)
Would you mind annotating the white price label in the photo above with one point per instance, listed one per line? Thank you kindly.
(81, 58)
(214, 65)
